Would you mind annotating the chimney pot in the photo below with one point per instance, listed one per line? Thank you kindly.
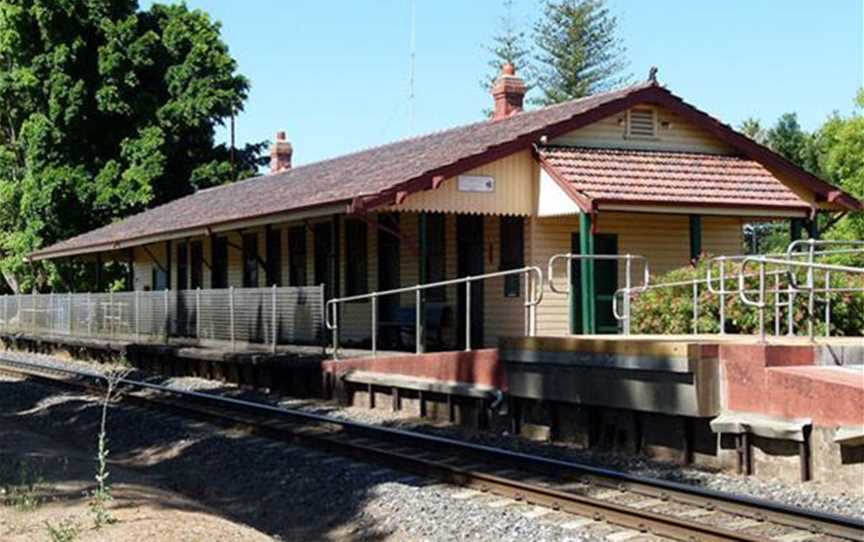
(508, 93)
(280, 154)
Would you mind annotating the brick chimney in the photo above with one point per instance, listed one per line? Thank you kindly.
(508, 92)
(280, 154)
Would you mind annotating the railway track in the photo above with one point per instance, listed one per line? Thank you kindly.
(661, 508)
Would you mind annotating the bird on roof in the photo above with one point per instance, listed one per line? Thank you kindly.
(652, 74)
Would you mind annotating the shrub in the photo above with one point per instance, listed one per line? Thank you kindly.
(670, 310)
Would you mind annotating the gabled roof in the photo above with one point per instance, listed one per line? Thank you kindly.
(384, 175)
(600, 176)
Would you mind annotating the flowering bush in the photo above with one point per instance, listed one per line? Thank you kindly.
(669, 310)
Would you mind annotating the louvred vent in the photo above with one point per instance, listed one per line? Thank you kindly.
(641, 123)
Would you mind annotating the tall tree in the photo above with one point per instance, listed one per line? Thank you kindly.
(106, 110)
(787, 138)
(579, 51)
(509, 46)
(752, 128)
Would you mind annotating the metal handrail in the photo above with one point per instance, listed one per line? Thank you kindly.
(533, 297)
(809, 266)
(628, 279)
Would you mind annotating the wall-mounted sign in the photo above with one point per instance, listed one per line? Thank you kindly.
(476, 183)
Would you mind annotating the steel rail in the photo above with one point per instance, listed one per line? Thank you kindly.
(358, 439)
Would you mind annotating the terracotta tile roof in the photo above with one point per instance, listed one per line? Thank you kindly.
(610, 175)
(340, 179)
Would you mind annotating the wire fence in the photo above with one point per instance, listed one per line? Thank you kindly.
(271, 316)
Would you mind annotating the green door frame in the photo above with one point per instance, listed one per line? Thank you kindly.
(583, 318)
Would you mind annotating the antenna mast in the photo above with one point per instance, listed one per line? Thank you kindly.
(413, 54)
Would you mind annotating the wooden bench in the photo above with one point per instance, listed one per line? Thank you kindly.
(482, 395)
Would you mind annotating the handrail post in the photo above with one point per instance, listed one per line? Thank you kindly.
(776, 305)
(69, 312)
(111, 313)
(51, 313)
(695, 308)
(762, 303)
(722, 297)
(375, 325)
(827, 303)
(790, 316)
(33, 311)
(468, 314)
(627, 284)
(231, 316)
(273, 320)
(811, 284)
(420, 344)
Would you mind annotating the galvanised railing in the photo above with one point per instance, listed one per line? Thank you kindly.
(533, 296)
(269, 316)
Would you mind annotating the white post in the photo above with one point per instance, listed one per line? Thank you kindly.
(33, 311)
(468, 314)
(722, 297)
(627, 284)
(790, 317)
(374, 324)
(231, 315)
(273, 320)
(776, 305)
(762, 301)
(695, 308)
(827, 303)
(51, 313)
(418, 327)
(112, 314)
(811, 284)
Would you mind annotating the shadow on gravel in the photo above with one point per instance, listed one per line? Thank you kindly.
(285, 491)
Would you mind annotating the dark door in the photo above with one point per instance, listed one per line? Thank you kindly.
(605, 285)
(469, 232)
(388, 279)
(325, 258)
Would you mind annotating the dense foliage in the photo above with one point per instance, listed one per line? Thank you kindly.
(670, 309)
(106, 110)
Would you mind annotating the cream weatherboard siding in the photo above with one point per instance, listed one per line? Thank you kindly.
(513, 191)
(673, 134)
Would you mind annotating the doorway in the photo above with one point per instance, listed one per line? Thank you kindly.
(469, 232)
(388, 279)
(605, 285)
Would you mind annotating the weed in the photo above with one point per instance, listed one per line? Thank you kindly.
(66, 530)
(20, 482)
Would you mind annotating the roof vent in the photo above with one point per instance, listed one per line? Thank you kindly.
(642, 123)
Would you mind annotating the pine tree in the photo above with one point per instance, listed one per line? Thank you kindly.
(509, 46)
(579, 51)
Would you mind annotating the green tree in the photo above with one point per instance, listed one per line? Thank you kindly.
(788, 139)
(840, 144)
(752, 128)
(578, 50)
(508, 46)
(106, 110)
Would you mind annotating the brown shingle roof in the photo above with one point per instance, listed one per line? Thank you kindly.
(614, 175)
(377, 176)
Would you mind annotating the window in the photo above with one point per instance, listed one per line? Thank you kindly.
(356, 281)
(641, 123)
(250, 260)
(182, 266)
(297, 256)
(219, 271)
(274, 257)
(436, 262)
(512, 252)
(196, 254)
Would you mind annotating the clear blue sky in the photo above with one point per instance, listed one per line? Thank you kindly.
(334, 75)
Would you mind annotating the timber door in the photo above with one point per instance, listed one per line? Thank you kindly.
(388, 279)
(605, 285)
(326, 262)
(469, 233)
